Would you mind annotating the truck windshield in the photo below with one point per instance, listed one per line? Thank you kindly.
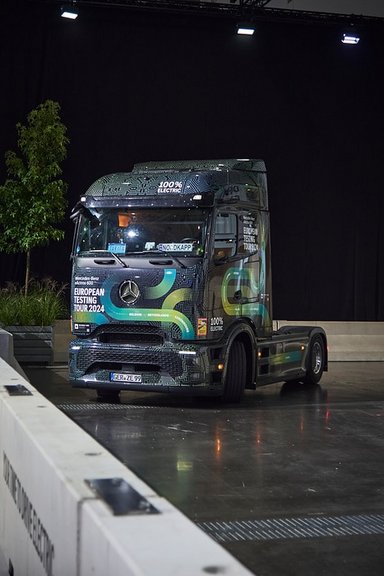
(122, 231)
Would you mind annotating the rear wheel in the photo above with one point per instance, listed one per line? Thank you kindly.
(236, 373)
(315, 360)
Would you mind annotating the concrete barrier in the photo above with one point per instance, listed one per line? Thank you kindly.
(350, 341)
(53, 521)
(6, 352)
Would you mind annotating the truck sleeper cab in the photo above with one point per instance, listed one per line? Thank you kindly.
(171, 285)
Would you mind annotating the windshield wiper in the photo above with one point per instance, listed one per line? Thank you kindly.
(115, 256)
(161, 253)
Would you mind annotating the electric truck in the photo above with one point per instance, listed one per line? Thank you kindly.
(171, 286)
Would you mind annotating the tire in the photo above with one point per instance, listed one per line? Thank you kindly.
(236, 373)
(315, 361)
(104, 395)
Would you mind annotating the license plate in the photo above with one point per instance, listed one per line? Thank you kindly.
(121, 377)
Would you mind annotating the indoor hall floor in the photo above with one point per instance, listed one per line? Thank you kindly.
(290, 481)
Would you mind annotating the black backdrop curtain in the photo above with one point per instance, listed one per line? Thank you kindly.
(137, 86)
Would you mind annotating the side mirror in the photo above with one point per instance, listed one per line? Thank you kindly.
(76, 211)
(79, 210)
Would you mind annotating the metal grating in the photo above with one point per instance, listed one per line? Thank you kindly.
(288, 528)
(71, 407)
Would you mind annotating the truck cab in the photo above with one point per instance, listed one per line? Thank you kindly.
(171, 284)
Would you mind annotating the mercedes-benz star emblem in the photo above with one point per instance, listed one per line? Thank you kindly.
(129, 291)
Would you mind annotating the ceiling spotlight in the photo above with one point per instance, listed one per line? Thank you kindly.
(245, 29)
(350, 39)
(69, 11)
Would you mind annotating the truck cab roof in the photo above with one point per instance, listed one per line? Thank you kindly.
(245, 164)
(184, 183)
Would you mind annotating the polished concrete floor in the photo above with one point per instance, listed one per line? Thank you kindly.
(290, 481)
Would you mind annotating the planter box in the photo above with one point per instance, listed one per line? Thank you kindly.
(32, 343)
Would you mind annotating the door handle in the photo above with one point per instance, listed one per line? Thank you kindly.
(99, 261)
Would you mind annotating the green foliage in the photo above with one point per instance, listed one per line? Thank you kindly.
(44, 303)
(32, 198)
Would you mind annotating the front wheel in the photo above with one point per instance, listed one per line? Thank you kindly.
(315, 361)
(235, 378)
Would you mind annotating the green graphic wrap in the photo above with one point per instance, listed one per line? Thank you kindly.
(180, 295)
(245, 281)
(89, 318)
(154, 292)
(165, 314)
(285, 357)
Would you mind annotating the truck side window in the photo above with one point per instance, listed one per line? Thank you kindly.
(225, 235)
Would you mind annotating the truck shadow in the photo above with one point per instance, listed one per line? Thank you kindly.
(271, 396)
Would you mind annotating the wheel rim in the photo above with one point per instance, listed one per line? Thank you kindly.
(317, 358)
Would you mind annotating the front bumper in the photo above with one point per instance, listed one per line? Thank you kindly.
(171, 367)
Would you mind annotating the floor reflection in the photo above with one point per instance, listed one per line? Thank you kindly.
(286, 450)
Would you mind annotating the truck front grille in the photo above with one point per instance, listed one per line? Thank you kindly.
(130, 338)
(145, 335)
(95, 358)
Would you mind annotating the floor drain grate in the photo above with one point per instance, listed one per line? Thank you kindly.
(288, 528)
(68, 407)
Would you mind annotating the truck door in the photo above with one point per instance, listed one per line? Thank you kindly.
(238, 286)
(253, 247)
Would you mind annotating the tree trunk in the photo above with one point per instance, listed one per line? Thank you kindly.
(27, 272)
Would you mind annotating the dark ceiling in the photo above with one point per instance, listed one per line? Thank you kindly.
(307, 11)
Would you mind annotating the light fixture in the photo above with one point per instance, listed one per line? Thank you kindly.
(69, 11)
(350, 39)
(350, 35)
(245, 29)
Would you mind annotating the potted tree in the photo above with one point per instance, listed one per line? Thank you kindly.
(32, 203)
(30, 317)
